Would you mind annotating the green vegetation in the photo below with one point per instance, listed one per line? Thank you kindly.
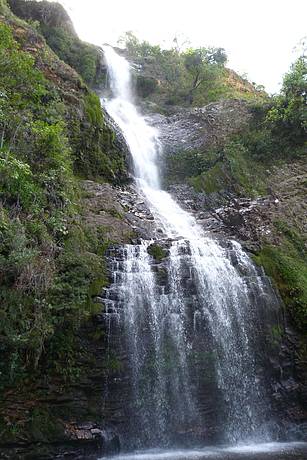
(51, 265)
(185, 77)
(82, 57)
(4, 10)
(287, 265)
(288, 117)
(204, 66)
(52, 21)
(229, 169)
(145, 86)
(157, 252)
(232, 169)
(277, 134)
(94, 151)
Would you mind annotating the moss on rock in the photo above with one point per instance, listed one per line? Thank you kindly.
(157, 252)
(286, 263)
(228, 169)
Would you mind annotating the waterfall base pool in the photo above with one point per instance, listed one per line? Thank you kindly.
(269, 451)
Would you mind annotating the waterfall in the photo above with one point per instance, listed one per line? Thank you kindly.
(190, 323)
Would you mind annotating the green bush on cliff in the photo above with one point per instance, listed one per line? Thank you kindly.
(80, 271)
(145, 86)
(157, 252)
(16, 63)
(93, 110)
(205, 68)
(287, 117)
(91, 140)
(186, 164)
(279, 132)
(17, 186)
(83, 57)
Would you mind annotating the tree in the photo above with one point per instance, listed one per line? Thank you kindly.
(203, 64)
(288, 115)
(137, 48)
(216, 56)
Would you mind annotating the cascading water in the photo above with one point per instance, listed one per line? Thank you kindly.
(190, 323)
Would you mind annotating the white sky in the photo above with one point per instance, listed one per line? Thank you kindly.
(259, 35)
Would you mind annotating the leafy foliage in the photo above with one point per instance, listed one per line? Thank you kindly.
(288, 116)
(182, 77)
(157, 252)
(83, 57)
(51, 266)
(280, 129)
(17, 185)
(203, 65)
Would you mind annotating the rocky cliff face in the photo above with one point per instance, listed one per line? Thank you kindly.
(202, 128)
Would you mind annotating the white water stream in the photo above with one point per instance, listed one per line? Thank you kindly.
(163, 324)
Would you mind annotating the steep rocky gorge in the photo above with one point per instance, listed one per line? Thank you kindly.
(55, 415)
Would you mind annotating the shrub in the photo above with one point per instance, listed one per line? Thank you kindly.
(83, 57)
(145, 86)
(157, 252)
(287, 117)
(17, 185)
